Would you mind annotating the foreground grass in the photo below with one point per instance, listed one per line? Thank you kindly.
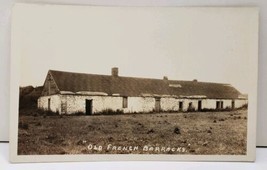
(198, 132)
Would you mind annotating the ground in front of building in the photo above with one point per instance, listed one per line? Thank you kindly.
(162, 133)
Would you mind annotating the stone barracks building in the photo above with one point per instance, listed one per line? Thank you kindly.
(69, 93)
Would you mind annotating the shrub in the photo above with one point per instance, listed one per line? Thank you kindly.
(177, 131)
(245, 106)
(227, 109)
(77, 114)
(216, 110)
(207, 110)
(44, 112)
(191, 109)
(110, 112)
(169, 111)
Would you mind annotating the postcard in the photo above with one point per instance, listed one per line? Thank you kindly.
(98, 83)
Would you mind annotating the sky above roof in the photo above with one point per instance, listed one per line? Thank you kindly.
(210, 45)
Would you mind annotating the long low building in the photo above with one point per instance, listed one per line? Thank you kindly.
(70, 93)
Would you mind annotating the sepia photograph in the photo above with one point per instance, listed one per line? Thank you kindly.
(152, 81)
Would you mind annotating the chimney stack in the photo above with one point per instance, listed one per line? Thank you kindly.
(115, 71)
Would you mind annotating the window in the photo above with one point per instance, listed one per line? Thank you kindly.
(181, 106)
(219, 105)
(49, 104)
(124, 102)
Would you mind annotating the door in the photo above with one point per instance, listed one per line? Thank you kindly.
(199, 105)
(157, 105)
(233, 104)
(88, 107)
(218, 105)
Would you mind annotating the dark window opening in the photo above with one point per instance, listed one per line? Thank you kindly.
(221, 104)
(49, 104)
(181, 106)
(124, 102)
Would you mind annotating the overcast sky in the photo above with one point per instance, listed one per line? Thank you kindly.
(213, 45)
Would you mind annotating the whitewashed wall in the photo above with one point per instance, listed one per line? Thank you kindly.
(168, 104)
(211, 103)
(140, 104)
(76, 103)
(172, 104)
(239, 103)
(186, 103)
(55, 103)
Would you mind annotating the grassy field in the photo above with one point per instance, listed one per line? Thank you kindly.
(164, 133)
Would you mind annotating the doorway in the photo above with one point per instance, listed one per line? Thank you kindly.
(157, 105)
(88, 107)
(218, 104)
(233, 104)
(199, 106)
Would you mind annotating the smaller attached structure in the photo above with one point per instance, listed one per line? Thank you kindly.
(69, 93)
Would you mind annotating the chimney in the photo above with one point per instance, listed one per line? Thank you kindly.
(165, 78)
(115, 71)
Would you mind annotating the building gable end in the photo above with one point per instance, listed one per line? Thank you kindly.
(50, 87)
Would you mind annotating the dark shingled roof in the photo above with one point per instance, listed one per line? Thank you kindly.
(132, 86)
